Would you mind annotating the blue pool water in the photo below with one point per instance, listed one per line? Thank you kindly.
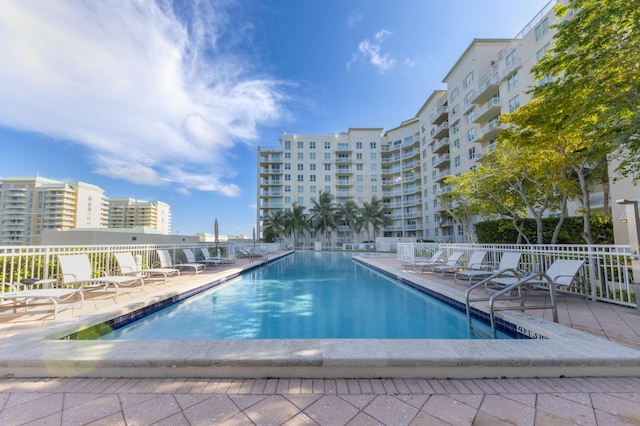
(306, 296)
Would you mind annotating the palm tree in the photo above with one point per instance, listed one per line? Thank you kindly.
(374, 216)
(296, 222)
(273, 226)
(323, 213)
(349, 214)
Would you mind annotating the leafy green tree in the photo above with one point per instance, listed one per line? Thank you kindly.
(296, 222)
(374, 216)
(323, 213)
(594, 65)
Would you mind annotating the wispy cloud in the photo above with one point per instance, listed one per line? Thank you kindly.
(353, 19)
(370, 51)
(148, 87)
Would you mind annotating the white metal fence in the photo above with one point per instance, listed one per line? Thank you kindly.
(607, 268)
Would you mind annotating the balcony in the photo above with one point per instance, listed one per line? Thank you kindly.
(441, 160)
(344, 170)
(440, 131)
(489, 110)
(487, 89)
(440, 146)
(440, 115)
(271, 171)
(343, 160)
(440, 176)
(489, 131)
(510, 69)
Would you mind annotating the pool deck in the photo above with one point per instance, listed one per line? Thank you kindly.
(321, 382)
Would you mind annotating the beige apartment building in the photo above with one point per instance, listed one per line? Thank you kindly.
(31, 205)
(409, 164)
(131, 213)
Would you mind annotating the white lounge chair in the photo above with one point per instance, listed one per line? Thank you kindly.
(422, 264)
(215, 260)
(54, 296)
(128, 266)
(508, 262)
(452, 263)
(76, 271)
(562, 273)
(165, 262)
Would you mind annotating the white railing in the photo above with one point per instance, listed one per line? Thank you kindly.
(607, 268)
(20, 262)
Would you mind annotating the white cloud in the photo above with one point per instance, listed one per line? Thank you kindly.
(370, 51)
(353, 19)
(148, 92)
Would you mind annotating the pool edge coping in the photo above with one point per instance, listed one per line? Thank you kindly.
(567, 353)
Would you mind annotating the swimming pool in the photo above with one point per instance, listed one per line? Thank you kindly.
(306, 296)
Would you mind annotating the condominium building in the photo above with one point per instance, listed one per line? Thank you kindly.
(130, 213)
(407, 165)
(30, 205)
(347, 165)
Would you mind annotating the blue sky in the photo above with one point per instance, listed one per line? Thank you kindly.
(168, 100)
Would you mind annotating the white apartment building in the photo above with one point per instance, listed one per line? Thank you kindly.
(31, 205)
(130, 213)
(447, 136)
(346, 165)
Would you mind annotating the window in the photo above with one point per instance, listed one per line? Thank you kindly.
(542, 52)
(327, 145)
(327, 156)
(287, 166)
(312, 178)
(301, 156)
(300, 167)
(468, 117)
(327, 189)
(359, 167)
(374, 189)
(455, 111)
(546, 79)
(327, 167)
(374, 156)
(358, 156)
(456, 144)
(359, 189)
(312, 188)
(374, 167)
(287, 177)
(372, 145)
(468, 98)
(511, 58)
(374, 178)
(468, 80)
(312, 167)
(514, 104)
(300, 188)
(312, 145)
(455, 128)
(287, 155)
(312, 156)
(287, 144)
(287, 188)
(300, 200)
(512, 81)
(300, 144)
(359, 178)
(472, 153)
(471, 134)
(542, 29)
(456, 161)
(454, 94)
(327, 178)
(287, 200)
(300, 178)
(358, 145)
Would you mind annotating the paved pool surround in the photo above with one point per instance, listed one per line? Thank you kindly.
(561, 352)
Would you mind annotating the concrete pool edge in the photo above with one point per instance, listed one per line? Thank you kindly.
(567, 353)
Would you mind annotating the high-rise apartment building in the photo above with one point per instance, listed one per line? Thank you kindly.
(30, 205)
(129, 213)
(407, 166)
